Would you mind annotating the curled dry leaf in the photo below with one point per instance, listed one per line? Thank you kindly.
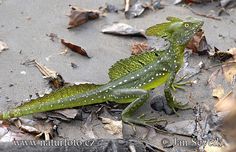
(56, 81)
(3, 46)
(112, 126)
(79, 16)
(75, 48)
(139, 47)
(198, 44)
(123, 29)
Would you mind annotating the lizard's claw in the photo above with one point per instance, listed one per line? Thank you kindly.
(142, 120)
(179, 83)
(176, 105)
(150, 121)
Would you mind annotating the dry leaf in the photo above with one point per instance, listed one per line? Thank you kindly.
(229, 70)
(68, 113)
(139, 47)
(112, 126)
(3, 46)
(212, 148)
(135, 10)
(221, 55)
(198, 43)
(226, 103)
(56, 81)
(139, 7)
(88, 127)
(218, 92)
(75, 48)
(123, 29)
(229, 123)
(233, 52)
(79, 16)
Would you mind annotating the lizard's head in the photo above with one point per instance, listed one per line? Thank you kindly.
(176, 30)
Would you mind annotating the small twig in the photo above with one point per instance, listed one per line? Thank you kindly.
(151, 146)
(203, 15)
(220, 64)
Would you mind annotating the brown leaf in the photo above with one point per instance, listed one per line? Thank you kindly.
(3, 46)
(198, 43)
(80, 16)
(75, 48)
(139, 47)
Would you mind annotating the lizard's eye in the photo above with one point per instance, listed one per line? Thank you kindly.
(186, 25)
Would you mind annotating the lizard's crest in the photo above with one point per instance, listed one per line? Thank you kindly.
(176, 30)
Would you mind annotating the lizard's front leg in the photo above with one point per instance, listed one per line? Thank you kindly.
(141, 97)
(172, 103)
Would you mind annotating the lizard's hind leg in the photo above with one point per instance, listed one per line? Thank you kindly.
(141, 97)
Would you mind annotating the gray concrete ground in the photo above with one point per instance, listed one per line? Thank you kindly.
(28, 36)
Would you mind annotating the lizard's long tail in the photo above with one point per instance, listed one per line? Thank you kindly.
(68, 97)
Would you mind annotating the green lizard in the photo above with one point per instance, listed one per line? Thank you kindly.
(131, 78)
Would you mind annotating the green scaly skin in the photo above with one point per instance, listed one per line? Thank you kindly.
(129, 88)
